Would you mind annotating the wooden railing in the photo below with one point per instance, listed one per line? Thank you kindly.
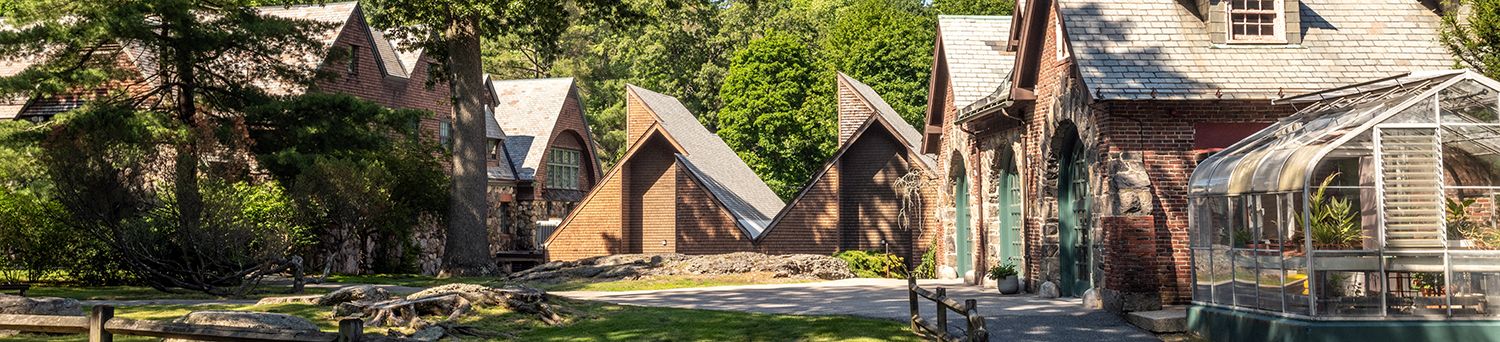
(19, 289)
(939, 329)
(101, 326)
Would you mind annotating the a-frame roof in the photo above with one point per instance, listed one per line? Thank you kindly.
(886, 116)
(527, 112)
(710, 160)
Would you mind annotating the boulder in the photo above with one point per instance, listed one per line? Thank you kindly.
(307, 299)
(431, 333)
(51, 306)
(813, 266)
(1091, 300)
(474, 293)
(1048, 290)
(245, 319)
(359, 293)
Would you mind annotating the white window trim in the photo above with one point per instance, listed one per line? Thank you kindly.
(1060, 41)
(1278, 37)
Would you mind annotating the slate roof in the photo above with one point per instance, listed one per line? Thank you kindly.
(711, 161)
(527, 111)
(974, 48)
(1125, 49)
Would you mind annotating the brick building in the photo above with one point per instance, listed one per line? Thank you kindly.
(551, 155)
(677, 189)
(1111, 104)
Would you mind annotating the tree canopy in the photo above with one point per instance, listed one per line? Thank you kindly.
(1475, 40)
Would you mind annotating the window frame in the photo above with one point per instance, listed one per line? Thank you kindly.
(561, 164)
(445, 135)
(1278, 25)
(353, 66)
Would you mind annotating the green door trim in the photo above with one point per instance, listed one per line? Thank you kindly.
(1073, 223)
(1011, 246)
(963, 249)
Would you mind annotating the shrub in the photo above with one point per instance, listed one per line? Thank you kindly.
(873, 264)
(928, 268)
(1001, 271)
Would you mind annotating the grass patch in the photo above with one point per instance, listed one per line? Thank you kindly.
(592, 321)
(142, 292)
(670, 282)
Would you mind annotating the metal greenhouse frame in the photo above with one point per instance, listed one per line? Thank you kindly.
(1379, 200)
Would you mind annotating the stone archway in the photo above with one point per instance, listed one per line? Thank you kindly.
(1069, 231)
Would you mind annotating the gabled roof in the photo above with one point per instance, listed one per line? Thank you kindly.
(903, 130)
(1143, 49)
(974, 49)
(710, 160)
(527, 111)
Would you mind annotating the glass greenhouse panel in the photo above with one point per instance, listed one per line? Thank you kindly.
(1380, 199)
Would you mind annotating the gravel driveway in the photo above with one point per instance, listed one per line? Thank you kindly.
(1008, 318)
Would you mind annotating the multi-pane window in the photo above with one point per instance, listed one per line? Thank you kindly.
(1255, 21)
(495, 149)
(563, 169)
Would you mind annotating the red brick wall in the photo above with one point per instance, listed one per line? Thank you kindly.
(1162, 132)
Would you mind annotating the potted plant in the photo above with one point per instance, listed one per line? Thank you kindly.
(1462, 230)
(1335, 225)
(1005, 278)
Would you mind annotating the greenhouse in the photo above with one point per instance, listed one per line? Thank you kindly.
(1375, 201)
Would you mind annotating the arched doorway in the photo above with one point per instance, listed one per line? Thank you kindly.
(963, 246)
(1073, 219)
(1011, 245)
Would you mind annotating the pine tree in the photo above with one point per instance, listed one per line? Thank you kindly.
(1472, 34)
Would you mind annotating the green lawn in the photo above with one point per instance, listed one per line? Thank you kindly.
(590, 321)
(652, 283)
(142, 292)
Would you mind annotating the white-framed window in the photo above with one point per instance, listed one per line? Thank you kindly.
(563, 168)
(1256, 21)
(445, 135)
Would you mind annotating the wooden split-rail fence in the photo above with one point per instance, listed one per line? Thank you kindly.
(938, 329)
(101, 326)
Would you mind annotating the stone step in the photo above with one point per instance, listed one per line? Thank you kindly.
(1165, 321)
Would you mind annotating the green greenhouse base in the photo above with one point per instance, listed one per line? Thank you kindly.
(1221, 324)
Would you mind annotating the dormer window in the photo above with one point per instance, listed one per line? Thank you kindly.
(1257, 21)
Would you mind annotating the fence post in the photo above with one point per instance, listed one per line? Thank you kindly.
(98, 316)
(351, 330)
(942, 311)
(976, 332)
(911, 292)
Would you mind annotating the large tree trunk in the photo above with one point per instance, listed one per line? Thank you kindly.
(466, 249)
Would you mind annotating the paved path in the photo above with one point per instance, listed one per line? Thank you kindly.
(1008, 318)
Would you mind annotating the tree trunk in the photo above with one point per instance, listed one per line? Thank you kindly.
(466, 248)
(189, 200)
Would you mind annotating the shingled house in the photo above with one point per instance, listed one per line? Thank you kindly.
(551, 154)
(1112, 103)
(677, 189)
(857, 200)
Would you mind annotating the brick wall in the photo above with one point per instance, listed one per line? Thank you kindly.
(869, 201)
(853, 111)
(650, 197)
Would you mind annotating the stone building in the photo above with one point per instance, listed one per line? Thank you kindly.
(1111, 104)
(549, 153)
(677, 189)
(857, 200)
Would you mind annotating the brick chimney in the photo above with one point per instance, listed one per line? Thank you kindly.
(853, 109)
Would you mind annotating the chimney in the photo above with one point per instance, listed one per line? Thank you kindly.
(853, 109)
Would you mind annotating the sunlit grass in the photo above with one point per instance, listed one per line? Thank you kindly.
(587, 321)
(142, 292)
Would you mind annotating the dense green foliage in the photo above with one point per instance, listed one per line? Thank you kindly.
(688, 50)
(870, 264)
(1475, 40)
(766, 101)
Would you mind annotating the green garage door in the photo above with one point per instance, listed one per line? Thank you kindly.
(1073, 223)
(962, 246)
